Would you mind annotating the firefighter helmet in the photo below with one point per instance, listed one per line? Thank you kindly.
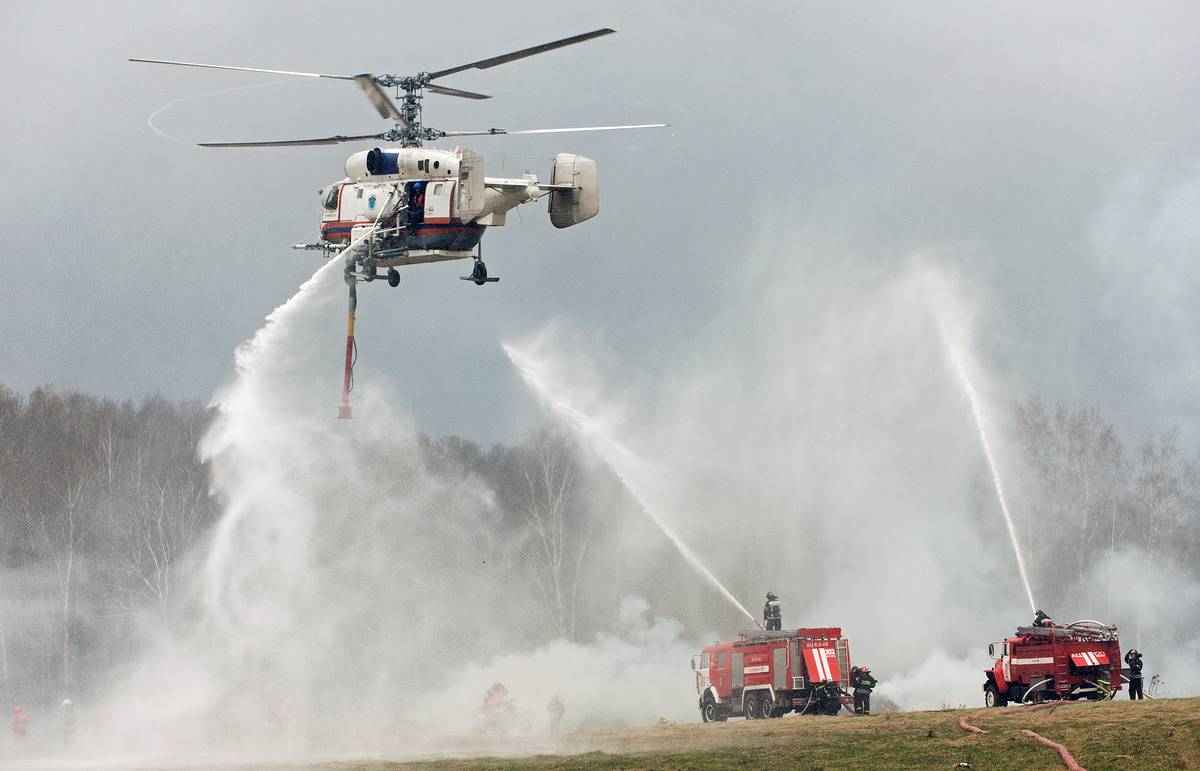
(772, 596)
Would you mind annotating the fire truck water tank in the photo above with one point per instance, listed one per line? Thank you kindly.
(570, 207)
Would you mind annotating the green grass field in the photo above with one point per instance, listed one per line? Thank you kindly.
(1107, 735)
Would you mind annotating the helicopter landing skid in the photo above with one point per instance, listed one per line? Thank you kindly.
(480, 275)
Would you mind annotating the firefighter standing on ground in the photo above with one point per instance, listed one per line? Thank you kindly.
(863, 683)
(772, 615)
(556, 710)
(20, 726)
(1133, 660)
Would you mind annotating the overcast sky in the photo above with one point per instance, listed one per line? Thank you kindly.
(1054, 147)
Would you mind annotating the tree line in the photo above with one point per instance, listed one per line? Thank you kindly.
(105, 505)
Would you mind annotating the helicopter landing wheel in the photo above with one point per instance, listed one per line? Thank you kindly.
(479, 274)
(393, 277)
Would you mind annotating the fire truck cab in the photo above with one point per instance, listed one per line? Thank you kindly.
(768, 674)
(1040, 663)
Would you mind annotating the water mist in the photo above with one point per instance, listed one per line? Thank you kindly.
(956, 354)
(628, 467)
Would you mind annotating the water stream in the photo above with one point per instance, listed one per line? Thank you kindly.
(619, 458)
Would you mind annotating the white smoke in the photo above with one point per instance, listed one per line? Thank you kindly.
(1153, 602)
(816, 442)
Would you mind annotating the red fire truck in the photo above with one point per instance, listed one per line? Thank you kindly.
(1039, 663)
(768, 674)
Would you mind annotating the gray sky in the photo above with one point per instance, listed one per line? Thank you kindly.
(1053, 148)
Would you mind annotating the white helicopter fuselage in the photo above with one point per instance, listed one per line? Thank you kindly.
(423, 204)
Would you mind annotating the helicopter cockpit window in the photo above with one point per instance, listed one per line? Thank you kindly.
(331, 197)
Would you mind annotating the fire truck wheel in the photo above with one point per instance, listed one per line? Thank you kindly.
(992, 698)
(754, 707)
(708, 713)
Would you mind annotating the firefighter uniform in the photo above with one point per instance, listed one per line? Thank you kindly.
(772, 614)
(863, 683)
(1041, 619)
(1133, 660)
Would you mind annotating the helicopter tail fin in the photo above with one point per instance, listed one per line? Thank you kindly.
(582, 201)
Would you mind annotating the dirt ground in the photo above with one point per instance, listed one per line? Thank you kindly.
(1107, 735)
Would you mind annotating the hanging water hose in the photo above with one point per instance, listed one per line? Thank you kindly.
(344, 411)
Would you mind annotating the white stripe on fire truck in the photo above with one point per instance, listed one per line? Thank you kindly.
(816, 659)
(822, 664)
(756, 670)
(1045, 660)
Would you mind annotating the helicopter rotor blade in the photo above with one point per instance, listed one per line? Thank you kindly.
(334, 140)
(383, 103)
(549, 130)
(484, 64)
(246, 69)
(444, 91)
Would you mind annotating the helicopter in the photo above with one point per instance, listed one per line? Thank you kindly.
(412, 204)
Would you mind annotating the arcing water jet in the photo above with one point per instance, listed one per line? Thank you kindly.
(956, 356)
(618, 457)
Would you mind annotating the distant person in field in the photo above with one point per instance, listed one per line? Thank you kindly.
(68, 722)
(1041, 619)
(1133, 660)
(556, 710)
(772, 614)
(863, 683)
(496, 697)
(20, 727)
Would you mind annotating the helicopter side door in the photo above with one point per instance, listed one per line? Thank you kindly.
(438, 196)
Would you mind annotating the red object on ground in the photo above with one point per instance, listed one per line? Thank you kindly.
(1067, 758)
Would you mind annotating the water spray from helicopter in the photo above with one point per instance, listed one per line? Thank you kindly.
(956, 356)
(618, 458)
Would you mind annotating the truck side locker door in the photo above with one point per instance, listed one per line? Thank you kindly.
(779, 668)
(738, 680)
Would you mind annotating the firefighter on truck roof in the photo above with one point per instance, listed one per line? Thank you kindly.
(863, 683)
(772, 614)
(1041, 619)
(1134, 661)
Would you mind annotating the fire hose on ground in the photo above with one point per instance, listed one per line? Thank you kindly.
(1067, 758)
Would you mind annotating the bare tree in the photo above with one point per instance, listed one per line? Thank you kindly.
(1159, 490)
(558, 526)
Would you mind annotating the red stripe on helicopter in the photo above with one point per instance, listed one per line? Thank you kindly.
(349, 224)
